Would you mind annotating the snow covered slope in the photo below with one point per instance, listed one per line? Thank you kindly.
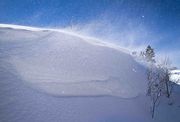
(66, 64)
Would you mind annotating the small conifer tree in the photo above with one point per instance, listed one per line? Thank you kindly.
(149, 54)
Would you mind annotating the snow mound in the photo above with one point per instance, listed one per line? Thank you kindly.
(64, 64)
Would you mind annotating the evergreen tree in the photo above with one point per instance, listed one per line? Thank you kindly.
(149, 54)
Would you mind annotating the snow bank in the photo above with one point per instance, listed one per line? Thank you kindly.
(60, 63)
(65, 64)
(175, 76)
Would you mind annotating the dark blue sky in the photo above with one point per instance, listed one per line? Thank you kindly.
(156, 22)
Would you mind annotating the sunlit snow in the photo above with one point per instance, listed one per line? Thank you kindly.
(67, 65)
(54, 75)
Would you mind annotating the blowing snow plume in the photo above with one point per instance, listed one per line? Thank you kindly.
(61, 63)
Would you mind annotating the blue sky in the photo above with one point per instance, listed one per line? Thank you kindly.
(124, 22)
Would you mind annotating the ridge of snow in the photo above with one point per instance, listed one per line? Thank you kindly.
(69, 32)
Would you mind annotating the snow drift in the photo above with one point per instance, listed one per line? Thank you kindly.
(36, 64)
(62, 63)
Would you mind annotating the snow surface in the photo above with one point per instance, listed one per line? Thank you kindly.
(52, 75)
(68, 65)
(175, 76)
